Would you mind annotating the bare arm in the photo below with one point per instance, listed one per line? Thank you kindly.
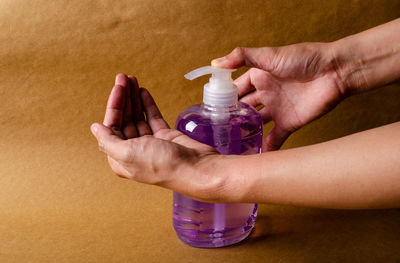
(301, 82)
(369, 59)
(355, 172)
(359, 171)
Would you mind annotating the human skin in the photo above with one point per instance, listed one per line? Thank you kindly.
(301, 82)
(296, 84)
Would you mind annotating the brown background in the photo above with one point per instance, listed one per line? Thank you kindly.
(60, 202)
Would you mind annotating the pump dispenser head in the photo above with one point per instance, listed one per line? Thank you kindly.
(220, 90)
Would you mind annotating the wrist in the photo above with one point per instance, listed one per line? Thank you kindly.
(210, 178)
(368, 59)
(348, 65)
(222, 178)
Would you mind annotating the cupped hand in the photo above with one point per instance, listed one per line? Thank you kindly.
(296, 84)
(140, 145)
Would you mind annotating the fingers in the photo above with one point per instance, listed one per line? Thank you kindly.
(109, 142)
(252, 99)
(275, 139)
(115, 110)
(124, 112)
(121, 80)
(128, 129)
(255, 80)
(265, 113)
(254, 86)
(251, 57)
(244, 84)
(137, 110)
(127, 107)
(153, 114)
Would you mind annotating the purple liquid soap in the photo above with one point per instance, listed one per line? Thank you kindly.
(235, 130)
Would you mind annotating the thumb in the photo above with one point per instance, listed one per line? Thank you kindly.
(261, 58)
(109, 142)
(275, 139)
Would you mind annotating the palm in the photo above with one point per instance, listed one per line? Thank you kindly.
(163, 152)
(295, 87)
(292, 104)
(134, 117)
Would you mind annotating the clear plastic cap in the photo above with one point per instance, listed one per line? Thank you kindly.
(220, 90)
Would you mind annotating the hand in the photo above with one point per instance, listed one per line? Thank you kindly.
(140, 145)
(296, 84)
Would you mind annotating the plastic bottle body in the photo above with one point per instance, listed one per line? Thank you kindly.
(235, 130)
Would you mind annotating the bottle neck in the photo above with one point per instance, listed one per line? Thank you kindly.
(220, 108)
(220, 93)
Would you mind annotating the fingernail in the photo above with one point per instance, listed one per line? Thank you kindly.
(119, 79)
(94, 128)
(218, 61)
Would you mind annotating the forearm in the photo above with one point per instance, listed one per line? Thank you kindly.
(368, 59)
(359, 171)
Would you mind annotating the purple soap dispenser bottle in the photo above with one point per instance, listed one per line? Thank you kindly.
(231, 127)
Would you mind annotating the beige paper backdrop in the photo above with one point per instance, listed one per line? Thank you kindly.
(59, 200)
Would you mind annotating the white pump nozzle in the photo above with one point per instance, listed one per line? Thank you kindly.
(220, 91)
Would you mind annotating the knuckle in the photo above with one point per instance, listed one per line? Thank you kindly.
(256, 74)
(101, 145)
(238, 51)
(127, 154)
